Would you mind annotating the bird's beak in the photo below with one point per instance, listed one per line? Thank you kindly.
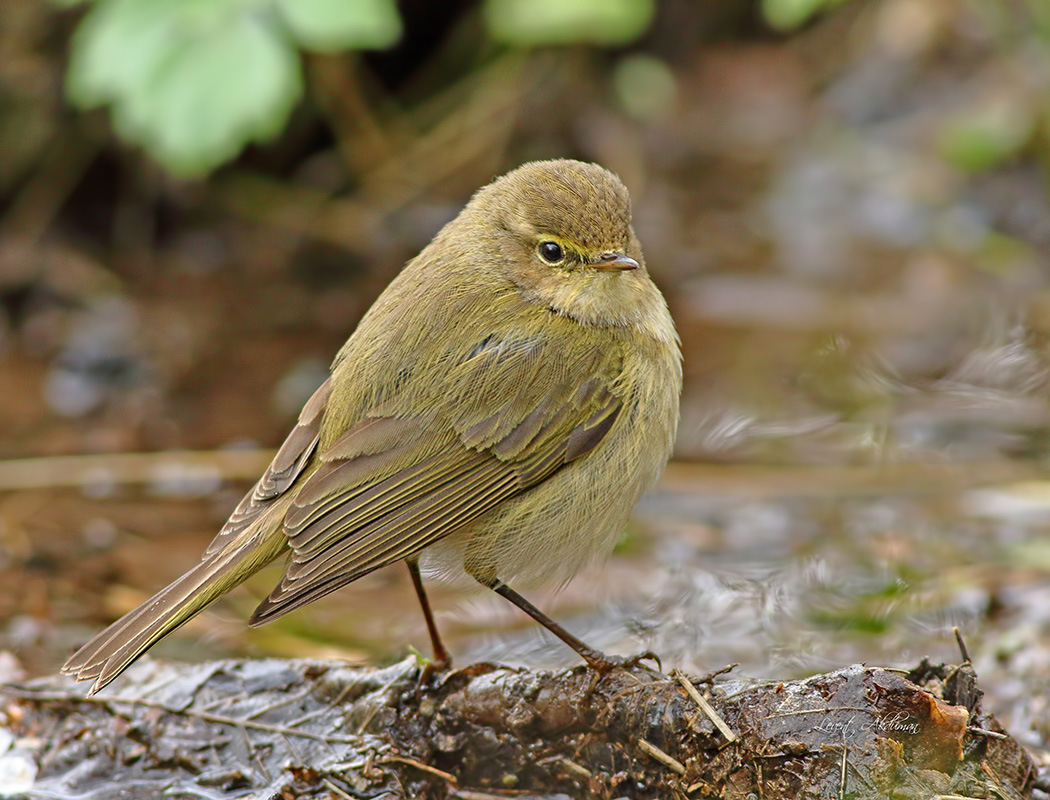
(616, 262)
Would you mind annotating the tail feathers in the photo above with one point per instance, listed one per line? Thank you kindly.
(114, 649)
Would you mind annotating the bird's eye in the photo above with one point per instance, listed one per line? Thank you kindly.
(551, 252)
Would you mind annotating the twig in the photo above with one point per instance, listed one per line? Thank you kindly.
(842, 774)
(186, 712)
(317, 712)
(291, 748)
(803, 711)
(335, 789)
(962, 645)
(475, 128)
(737, 480)
(420, 766)
(710, 677)
(130, 468)
(570, 765)
(249, 748)
(699, 699)
(989, 734)
(40, 199)
(670, 762)
(281, 703)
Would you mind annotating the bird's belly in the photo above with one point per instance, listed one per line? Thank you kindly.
(550, 532)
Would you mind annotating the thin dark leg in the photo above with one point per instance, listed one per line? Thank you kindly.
(442, 660)
(595, 659)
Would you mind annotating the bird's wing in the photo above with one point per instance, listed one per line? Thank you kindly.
(286, 466)
(511, 415)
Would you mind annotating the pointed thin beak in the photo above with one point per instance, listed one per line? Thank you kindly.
(617, 262)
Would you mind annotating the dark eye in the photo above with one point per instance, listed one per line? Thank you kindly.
(551, 252)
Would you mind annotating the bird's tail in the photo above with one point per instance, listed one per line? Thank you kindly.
(114, 649)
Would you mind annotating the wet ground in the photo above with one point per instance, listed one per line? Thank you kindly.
(851, 226)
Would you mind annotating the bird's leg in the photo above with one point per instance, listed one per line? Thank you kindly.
(596, 659)
(442, 660)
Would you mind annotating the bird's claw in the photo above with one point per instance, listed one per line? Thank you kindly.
(603, 663)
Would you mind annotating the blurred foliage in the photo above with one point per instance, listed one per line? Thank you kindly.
(786, 15)
(985, 138)
(645, 86)
(194, 81)
(547, 22)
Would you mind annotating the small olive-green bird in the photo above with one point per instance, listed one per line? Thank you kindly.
(498, 412)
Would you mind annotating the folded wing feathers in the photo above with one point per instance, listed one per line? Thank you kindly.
(390, 486)
(310, 527)
(403, 531)
(285, 468)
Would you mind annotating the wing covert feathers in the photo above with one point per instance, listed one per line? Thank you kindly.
(391, 486)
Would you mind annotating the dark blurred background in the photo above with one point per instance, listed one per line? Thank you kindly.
(845, 205)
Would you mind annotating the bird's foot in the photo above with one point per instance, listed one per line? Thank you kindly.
(603, 663)
(432, 667)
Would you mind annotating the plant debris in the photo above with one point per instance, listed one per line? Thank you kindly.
(310, 728)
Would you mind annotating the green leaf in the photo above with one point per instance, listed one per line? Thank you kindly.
(982, 140)
(548, 22)
(333, 25)
(206, 101)
(785, 15)
(115, 44)
(191, 80)
(645, 86)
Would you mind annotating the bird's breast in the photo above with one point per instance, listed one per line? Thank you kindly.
(551, 531)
